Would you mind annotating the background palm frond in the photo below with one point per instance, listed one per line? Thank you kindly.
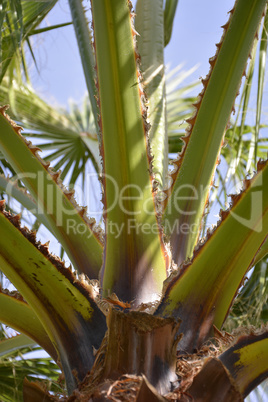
(18, 21)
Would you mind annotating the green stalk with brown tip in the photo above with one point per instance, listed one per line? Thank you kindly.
(63, 305)
(17, 314)
(65, 217)
(196, 164)
(215, 281)
(135, 263)
(247, 359)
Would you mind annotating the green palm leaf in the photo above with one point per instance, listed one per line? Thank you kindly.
(14, 369)
(18, 20)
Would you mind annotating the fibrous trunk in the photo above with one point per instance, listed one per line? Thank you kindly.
(139, 343)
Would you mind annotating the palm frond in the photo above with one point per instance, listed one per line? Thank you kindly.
(251, 305)
(18, 20)
(68, 139)
(14, 369)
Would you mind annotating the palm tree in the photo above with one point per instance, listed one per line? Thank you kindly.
(140, 314)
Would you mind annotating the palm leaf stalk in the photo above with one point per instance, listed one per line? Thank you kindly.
(146, 298)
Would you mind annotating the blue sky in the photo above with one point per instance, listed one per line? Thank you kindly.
(197, 28)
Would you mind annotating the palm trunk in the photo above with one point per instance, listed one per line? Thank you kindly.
(139, 343)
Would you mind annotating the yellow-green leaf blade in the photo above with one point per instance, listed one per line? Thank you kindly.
(134, 262)
(63, 304)
(205, 288)
(74, 232)
(9, 345)
(247, 361)
(17, 314)
(198, 161)
(149, 23)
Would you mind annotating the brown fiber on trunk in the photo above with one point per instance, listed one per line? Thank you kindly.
(139, 343)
